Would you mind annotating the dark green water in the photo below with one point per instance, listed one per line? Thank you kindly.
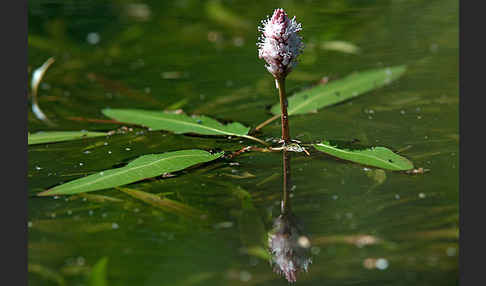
(201, 56)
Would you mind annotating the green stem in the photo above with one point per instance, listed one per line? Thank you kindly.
(283, 106)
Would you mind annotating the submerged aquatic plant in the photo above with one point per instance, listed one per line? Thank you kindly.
(280, 45)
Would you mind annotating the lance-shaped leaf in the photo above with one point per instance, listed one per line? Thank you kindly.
(178, 123)
(59, 136)
(337, 91)
(380, 157)
(144, 167)
(98, 273)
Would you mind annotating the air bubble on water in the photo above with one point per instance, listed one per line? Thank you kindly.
(245, 276)
(80, 261)
(421, 195)
(93, 38)
(304, 241)
(106, 143)
(128, 149)
(38, 168)
(81, 164)
(114, 225)
(109, 152)
(381, 263)
(315, 250)
(451, 251)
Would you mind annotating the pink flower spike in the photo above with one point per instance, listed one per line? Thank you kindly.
(280, 45)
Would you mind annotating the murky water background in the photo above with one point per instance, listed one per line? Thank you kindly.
(366, 226)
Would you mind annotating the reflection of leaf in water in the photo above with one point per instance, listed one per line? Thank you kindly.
(165, 204)
(62, 225)
(380, 157)
(97, 198)
(98, 273)
(46, 273)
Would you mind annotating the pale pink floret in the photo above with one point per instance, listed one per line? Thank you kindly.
(280, 44)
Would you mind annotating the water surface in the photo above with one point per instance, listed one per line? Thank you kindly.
(200, 56)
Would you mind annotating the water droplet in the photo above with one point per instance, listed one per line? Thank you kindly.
(421, 195)
(69, 212)
(397, 196)
(81, 164)
(38, 168)
(109, 152)
(381, 263)
(93, 38)
(114, 225)
(29, 224)
(451, 251)
(128, 149)
(245, 276)
(87, 152)
(335, 197)
(402, 111)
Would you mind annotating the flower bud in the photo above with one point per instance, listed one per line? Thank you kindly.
(279, 45)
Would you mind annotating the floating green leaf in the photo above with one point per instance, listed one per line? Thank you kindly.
(98, 273)
(380, 157)
(144, 167)
(312, 99)
(178, 123)
(59, 136)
